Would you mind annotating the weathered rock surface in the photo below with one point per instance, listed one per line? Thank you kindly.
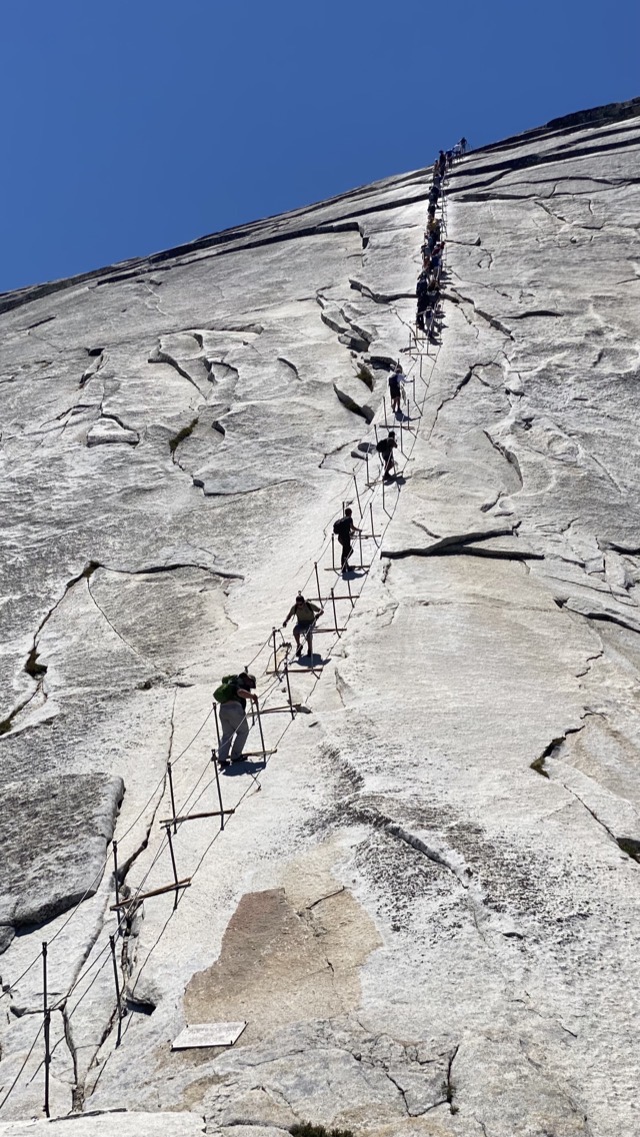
(428, 914)
(54, 833)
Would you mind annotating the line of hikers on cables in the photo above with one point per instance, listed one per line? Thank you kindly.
(235, 691)
(428, 286)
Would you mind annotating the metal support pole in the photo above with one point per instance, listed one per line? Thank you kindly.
(375, 427)
(173, 800)
(112, 941)
(217, 773)
(355, 482)
(361, 561)
(373, 532)
(353, 603)
(275, 651)
(315, 566)
(366, 455)
(333, 550)
(47, 1025)
(335, 614)
(289, 699)
(173, 865)
(114, 845)
(264, 749)
(384, 403)
(215, 715)
(401, 449)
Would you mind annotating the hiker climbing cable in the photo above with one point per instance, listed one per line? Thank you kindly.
(396, 381)
(344, 530)
(385, 448)
(232, 695)
(305, 614)
(422, 295)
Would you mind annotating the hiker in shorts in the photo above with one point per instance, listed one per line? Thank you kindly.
(395, 389)
(232, 696)
(306, 615)
(385, 448)
(344, 530)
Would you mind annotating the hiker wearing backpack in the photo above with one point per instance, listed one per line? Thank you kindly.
(385, 448)
(344, 530)
(306, 615)
(232, 695)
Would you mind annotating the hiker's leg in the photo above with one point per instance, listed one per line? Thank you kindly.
(229, 722)
(242, 730)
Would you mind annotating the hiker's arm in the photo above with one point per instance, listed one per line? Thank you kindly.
(247, 694)
(291, 611)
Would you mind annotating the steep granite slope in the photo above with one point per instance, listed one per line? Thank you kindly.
(425, 907)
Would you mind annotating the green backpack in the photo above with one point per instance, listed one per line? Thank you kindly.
(227, 689)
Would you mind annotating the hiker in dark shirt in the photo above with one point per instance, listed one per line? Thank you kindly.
(386, 447)
(422, 288)
(306, 615)
(344, 530)
(233, 717)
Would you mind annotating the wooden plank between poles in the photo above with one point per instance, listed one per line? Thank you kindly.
(186, 883)
(193, 816)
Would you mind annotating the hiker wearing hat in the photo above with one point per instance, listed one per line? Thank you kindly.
(232, 695)
(306, 615)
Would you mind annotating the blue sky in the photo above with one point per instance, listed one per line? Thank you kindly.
(133, 125)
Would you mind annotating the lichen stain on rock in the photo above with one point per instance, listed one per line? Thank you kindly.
(283, 963)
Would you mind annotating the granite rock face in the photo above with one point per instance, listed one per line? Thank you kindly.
(426, 907)
(54, 833)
